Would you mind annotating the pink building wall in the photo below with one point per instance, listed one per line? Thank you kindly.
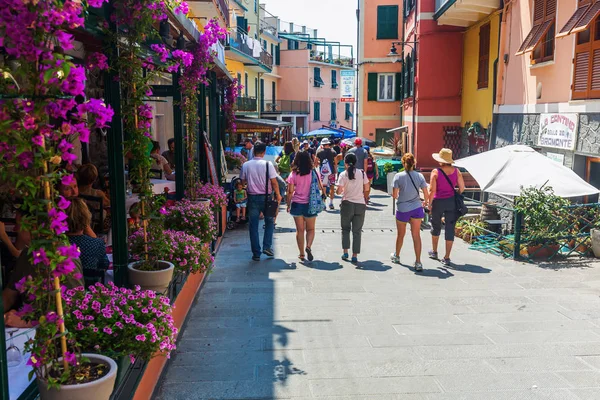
(325, 95)
(295, 75)
(520, 79)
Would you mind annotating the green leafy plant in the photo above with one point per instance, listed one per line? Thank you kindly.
(193, 218)
(544, 215)
(388, 167)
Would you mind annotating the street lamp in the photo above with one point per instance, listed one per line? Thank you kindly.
(394, 54)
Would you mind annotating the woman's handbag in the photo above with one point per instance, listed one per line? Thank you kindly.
(315, 201)
(271, 205)
(459, 199)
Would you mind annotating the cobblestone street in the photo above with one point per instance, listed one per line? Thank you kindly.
(486, 328)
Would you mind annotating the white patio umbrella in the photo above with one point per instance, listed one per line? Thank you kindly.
(508, 169)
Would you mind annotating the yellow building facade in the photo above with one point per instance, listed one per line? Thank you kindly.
(477, 88)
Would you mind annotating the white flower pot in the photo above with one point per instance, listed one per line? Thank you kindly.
(100, 389)
(595, 237)
(390, 182)
(157, 281)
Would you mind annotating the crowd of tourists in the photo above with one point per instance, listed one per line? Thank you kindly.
(308, 175)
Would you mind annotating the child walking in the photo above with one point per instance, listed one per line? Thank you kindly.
(241, 200)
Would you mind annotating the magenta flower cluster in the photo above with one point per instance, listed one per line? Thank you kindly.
(232, 92)
(193, 218)
(119, 321)
(214, 193)
(234, 160)
(187, 252)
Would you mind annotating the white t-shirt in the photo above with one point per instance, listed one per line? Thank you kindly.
(255, 173)
(354, 190)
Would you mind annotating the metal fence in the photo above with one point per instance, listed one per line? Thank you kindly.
(287, 107)
(568, 234)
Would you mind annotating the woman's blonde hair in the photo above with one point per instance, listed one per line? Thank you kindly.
(408, 161)
(296, 144)
(78, 215)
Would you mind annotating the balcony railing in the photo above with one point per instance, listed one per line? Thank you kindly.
(331, 58)
(239, 41)
(246, 104)
(287, 107)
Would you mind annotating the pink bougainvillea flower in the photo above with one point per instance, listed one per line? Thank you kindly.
(64, 267)
(68, 180)
(83, 132)
(38, 140)
(34, 362)
(58, 221)
(182, 8)
(64, 146)
(25, 159)
(29, 122)
(71, 358)
(69, 158)
(70, 251)
(97, 61)
(96, 3)
(63, 203)
(64, 39)
(40, 256)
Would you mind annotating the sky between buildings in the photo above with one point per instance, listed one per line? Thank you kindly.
(335, 20)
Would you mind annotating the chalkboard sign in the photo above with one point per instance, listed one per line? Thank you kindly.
(212, 168)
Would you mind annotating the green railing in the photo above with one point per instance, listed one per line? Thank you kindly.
(568, 236)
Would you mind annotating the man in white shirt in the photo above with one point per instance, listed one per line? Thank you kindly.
(254, 174)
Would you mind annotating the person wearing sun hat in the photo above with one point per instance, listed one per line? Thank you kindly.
(442, 186)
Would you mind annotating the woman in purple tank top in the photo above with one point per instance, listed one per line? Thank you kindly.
(443, 182)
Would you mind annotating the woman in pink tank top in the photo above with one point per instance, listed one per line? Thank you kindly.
(443, 184)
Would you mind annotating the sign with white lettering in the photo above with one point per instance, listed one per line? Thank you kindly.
(348, 86)
(558, 131)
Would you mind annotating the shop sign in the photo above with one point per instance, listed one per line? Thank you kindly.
(348, 86)
(559, 158)
(558, 131)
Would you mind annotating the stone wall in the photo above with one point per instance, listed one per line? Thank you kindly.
(516, 129)
(588, 140)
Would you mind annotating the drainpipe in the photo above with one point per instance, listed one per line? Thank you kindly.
(402, 64)
(358, 32)
(414, 61)
(258, 100)
(497, 64)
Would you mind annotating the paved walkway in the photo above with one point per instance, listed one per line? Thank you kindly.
(487, 329)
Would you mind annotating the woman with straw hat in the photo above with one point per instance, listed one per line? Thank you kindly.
(442, 186)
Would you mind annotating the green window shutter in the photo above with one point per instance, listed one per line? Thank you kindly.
(317, 77)
(405, 71)
(277, 55)
(412, 74)
(398, 85)
(334, 79)
(317, 111)
(372, 86)
(387, 22)
(333, 111)
(347, 116)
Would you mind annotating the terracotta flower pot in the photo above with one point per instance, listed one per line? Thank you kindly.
(539, 252)
(151, 280)
(100, 389)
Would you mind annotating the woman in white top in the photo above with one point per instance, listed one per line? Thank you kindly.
(353, 185)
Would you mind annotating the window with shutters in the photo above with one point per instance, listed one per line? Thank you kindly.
(317, 113)
(317, 80)
(348, 113)
(386, 87)
(409, 6)
(334, 83)
(582, 18)
(333, 111)
(586, 70)
(540, 40)
(484, 57)
(387, 22)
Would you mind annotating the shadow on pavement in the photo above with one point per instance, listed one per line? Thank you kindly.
(440, 272)
(322, 265)
(475, 269)
(570, 263)
(371, 265)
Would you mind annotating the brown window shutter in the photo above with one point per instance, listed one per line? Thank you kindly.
(538, 11)
(484, 57)
(573, 21)
(588, 17)
(550, 10)
(581, 72)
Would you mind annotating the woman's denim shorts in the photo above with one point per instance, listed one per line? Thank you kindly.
(300, 210)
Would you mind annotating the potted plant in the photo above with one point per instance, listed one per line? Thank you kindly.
(150, 270)
(544, 221)
(218, 201)
(194, 219)
(187, 252)
(234, 160)
(388, 169)
(120, 322)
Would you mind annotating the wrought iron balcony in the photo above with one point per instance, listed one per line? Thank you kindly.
(287, 107)
(246, 104)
